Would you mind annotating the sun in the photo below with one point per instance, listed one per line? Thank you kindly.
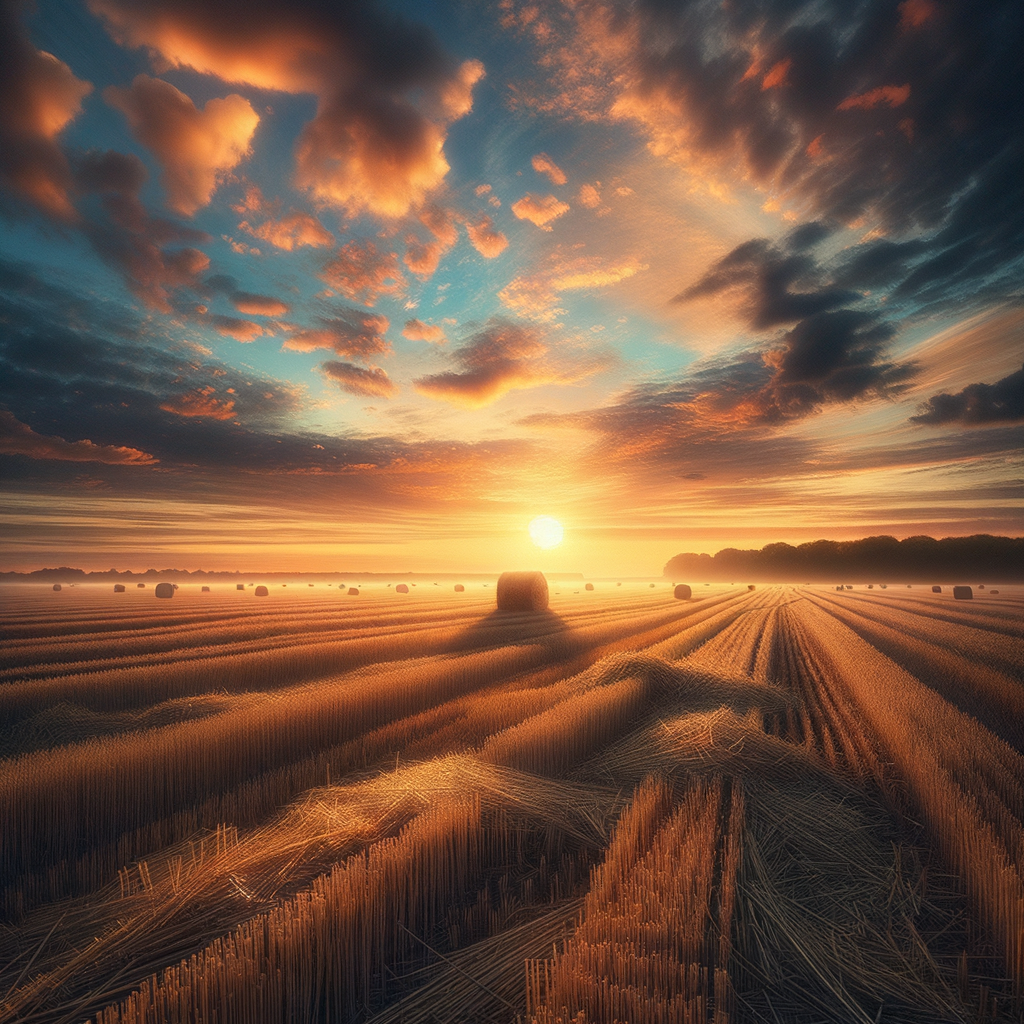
(546, 532)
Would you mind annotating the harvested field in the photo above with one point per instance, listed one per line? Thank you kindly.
(784, 804)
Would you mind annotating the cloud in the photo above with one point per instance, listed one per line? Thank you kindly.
(371, 383)
(903, 119)
(417, 330)
(831, 353)
(201, 403)
(243, 301)
(423, 258)
(195, 148)
(589, 197)
(350, 333)
(127, 238)
(386, 90)
(17, 438)
(539, 209)
(543, 164)
(233, 327)
(535, 296)
(977, 404)
(291, 231)
(884, 95)
(782, 282)
(502, 357)
(362, 273)
(39, 97)
(486, 239)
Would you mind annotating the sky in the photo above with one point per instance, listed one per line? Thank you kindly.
(317, 286)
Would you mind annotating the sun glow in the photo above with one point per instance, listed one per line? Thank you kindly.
(546, 532)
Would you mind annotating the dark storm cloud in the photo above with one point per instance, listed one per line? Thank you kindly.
(904, 117)
(978, 404)
(783, 282)
(830, 354)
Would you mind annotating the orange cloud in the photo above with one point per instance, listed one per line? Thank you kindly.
(417, 330)
(423, 258)
(292, 231)
(534, 296)
(778, 75)
(376, 143)
(17, 438)
(260, 305)
(201, 403)
(539, 209)
(543, 164)
(241, 330)
(501, 358)
(353, 334)
(486, 239)
(891, 95)
(589, 197)
(372, 383)
(39, 97)
(914, 13)
(363, 274)
(196, 148)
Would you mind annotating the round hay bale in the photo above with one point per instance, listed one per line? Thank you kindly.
(981, 586)
(261, 592)
(204, 590)
(353, 592)
(141, 586)
(522, 592)
(618, 584)
(750, 586)
(459, 588)
(963, 594)
(309, 584)
(652, 586)
(936, 590)
(589, 586)
(164, 590)
(683, 592)
(56, 586)
(401, 589)
(239, 586)
(871, 586)
(993, 591)
(118, 588)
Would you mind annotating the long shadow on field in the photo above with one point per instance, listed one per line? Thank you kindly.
(506, 629)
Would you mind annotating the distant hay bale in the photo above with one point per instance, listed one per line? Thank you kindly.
(618, 584)
(683, 592)
(56, 586)
(309, 584)
(589, 586)
(936, 590)
(750, 586)
(401, 589)
(204, 590)
(871, 586)
(118, 588)
(981, 586)
(459, 588)
(353, 592)
(652, 586)
(239, 586)
(993, 591)
(522, 592)
(963, 593)
(164, 590)
(141, 586)
(261, 592)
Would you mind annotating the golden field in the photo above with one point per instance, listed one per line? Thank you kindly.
(787, 804)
